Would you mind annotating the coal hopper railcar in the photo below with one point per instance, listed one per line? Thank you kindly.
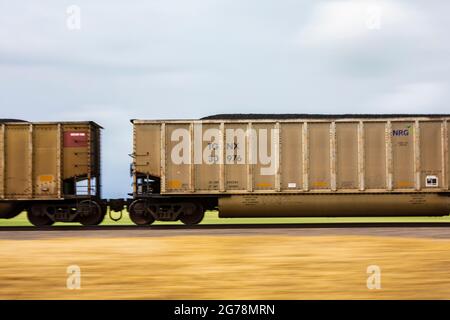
(52, 171)
(291, 166)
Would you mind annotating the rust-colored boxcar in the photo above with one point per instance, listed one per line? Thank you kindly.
(291, 165)
(51, 170)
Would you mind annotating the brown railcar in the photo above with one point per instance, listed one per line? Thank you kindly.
(51, 170)
(348, 165)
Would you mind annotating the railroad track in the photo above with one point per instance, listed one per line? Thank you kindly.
(336, 225)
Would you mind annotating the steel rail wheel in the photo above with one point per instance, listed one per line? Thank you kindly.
(90, 213)
(38, 217)
(140, 214)
(193, 216)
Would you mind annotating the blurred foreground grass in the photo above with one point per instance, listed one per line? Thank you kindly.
(211, 217)
(226, 267)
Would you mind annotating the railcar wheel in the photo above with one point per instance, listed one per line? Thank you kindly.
(193, 216)
(38, 217)
(140, 214)
(10, 210)
(90, 213)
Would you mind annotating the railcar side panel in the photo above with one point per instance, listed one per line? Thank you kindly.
(76, 151)
(431, 156)
(45, 161)
(147, 149)
(291, 156)
(178, 159)
(319, 155)
(18, 148)
(236, 148)
(264, 166)
(347, 155)
(375, 166)
(403, 145)
(207, 163)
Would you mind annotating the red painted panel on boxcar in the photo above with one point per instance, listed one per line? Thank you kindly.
(75, 139)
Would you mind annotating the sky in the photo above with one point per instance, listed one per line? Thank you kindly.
(112, 61)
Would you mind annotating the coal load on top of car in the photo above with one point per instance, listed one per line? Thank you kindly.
(256, 116)
(11, 120)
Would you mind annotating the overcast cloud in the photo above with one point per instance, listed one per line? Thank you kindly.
(191, 58)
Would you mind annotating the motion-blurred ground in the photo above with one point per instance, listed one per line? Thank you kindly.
(226, 267)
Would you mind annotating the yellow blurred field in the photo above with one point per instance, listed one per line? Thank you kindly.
(226, 267)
